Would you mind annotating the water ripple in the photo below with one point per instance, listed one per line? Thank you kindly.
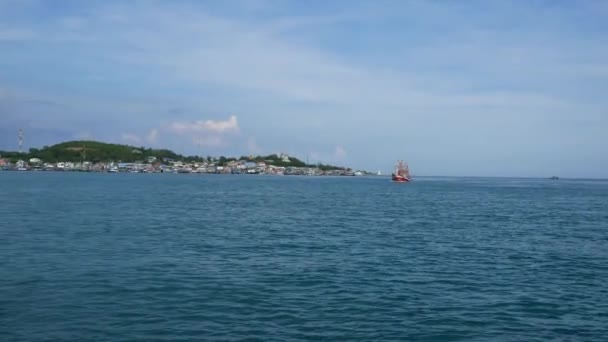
(189, 258)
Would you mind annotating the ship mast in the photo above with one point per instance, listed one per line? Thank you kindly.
(402, 172)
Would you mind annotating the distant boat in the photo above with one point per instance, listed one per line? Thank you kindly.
(402, 173)
(554, 177)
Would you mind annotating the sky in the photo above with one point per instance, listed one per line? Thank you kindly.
(456, 88)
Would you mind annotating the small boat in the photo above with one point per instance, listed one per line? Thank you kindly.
(554, 177)
(402, 173)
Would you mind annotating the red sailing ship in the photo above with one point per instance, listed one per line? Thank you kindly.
(402, 173)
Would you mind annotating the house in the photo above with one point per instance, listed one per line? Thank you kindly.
(125, 166)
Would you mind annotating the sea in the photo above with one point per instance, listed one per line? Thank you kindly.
(190, 257)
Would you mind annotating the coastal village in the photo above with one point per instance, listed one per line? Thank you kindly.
(170, 166)
(140, 161)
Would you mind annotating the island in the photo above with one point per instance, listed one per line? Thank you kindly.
(95, 156)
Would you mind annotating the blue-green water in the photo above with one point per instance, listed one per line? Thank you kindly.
(215, 258)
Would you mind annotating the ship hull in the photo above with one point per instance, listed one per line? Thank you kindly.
(400, 179)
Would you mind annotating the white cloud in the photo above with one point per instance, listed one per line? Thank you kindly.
(201, 126)
(209, 133)
(277, 65)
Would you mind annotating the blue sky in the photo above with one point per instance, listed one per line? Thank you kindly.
(485, 88)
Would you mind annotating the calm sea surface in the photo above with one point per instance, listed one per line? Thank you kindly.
(169, 257)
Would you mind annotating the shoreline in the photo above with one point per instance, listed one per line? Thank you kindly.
(194, 172)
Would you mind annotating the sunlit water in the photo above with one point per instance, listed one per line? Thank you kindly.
(212, 258)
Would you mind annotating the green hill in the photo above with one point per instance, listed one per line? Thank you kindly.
(95, 151)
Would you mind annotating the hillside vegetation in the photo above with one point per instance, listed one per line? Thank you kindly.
(95, 151)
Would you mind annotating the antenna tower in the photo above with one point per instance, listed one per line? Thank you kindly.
(20, 140)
